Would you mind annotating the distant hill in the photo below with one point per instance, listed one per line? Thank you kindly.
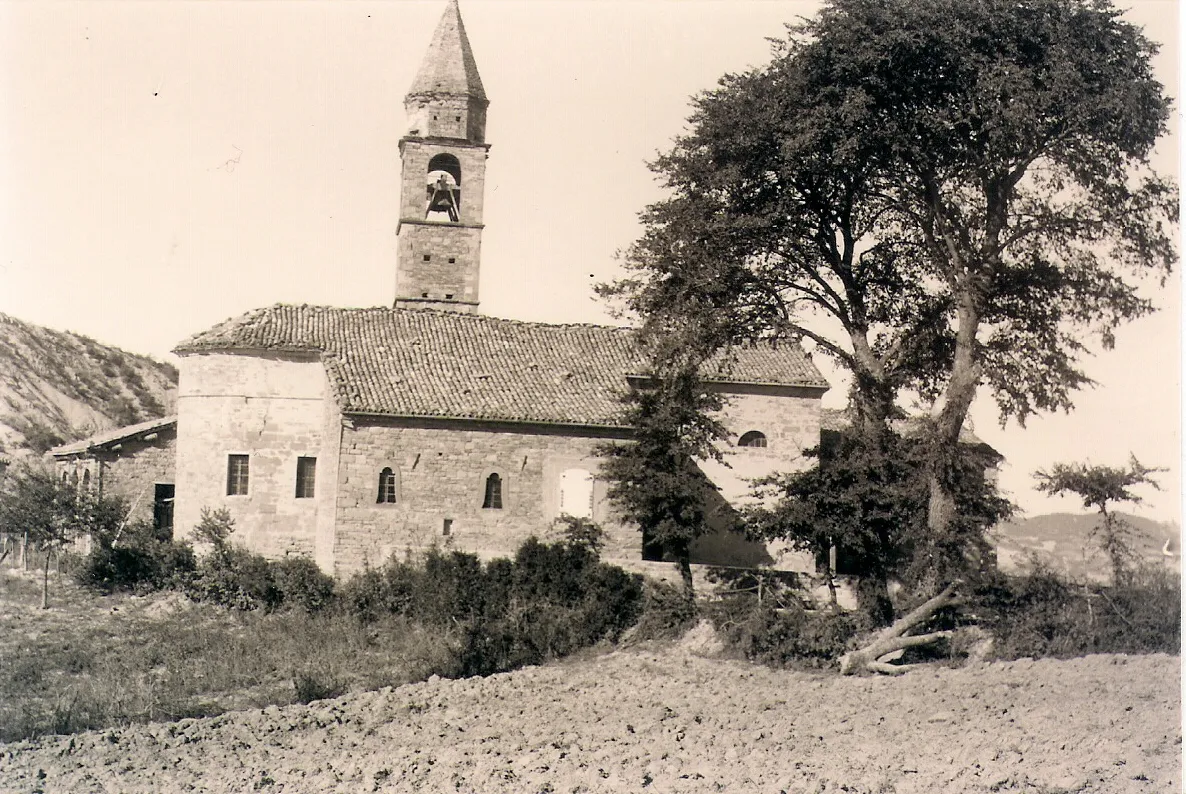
(1062, 541)
(58, 386)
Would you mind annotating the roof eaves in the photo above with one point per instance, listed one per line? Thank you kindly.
(487, 420)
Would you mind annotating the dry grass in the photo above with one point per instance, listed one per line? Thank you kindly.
(96, 661)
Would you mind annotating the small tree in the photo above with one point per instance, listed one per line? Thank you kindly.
(655, 479)
(53, 512)
(1099, 487)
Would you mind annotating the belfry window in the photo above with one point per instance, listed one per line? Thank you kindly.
(387, 489)
(443, 189)
(753, 438)
(493, 497)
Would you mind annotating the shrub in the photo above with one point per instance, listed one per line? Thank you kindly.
(551, 600)
(666, 612)
(1043, 614)
(787, 636)
(312, 686)
(237, 579)
(138, 561)
(302, 585)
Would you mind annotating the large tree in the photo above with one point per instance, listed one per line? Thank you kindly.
(942, 194)
(867, 502)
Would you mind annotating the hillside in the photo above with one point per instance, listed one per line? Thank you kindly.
(1062, 540)
(58, 386)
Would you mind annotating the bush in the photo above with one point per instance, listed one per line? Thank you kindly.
(551, 600)
(666, 612)
(137, 561)
(236, 579)
(1043, 614)
(313, 686)
(302, 585)
(786, 636)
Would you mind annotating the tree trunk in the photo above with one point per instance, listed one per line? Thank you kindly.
(45, 583)
(685, 572)
(950, 413)
(873, 599)
(893, 639)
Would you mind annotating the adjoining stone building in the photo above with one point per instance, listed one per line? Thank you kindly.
(136, 462)
(352, 434)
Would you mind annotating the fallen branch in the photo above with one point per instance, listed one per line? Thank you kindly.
(894, 638)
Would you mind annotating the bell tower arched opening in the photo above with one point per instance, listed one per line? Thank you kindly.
(439, 236)
(443, 186)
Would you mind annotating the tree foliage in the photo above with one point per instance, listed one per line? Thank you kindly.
(1101, 487)
(868, 499)
(654, 478)
(52, 512)
(939, 193)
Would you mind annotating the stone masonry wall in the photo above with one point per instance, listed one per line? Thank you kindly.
(441, 472)
(415, 156)
(438, 277)
(790, 420)
(271, 408)
(131, 472)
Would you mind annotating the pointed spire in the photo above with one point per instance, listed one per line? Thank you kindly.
(449, 66)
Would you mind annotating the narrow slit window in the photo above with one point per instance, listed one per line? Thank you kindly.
(386, 487)
(493, 498)
(306, 477)
(237, 471)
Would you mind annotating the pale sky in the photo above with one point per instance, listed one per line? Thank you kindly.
(166, 165)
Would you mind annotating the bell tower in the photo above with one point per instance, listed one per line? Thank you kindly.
(443, 176)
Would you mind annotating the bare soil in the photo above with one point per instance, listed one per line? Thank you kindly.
(665, 720)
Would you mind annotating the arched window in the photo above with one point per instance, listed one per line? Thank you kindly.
(387, 487)
(443, 187)
(753, 438)
(86, 480)
(576, 493)
(493, 497)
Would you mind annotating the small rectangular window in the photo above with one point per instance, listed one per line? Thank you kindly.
(236, 475)
(448, 296)
(306, 477)
(428, 257)
(447, 529)
(452, 260)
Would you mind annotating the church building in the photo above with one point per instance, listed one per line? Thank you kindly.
(351, 434)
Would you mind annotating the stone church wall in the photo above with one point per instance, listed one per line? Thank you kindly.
(441, 469)
(787, 416)
(134, 470)
(131, 471)
(271, 408)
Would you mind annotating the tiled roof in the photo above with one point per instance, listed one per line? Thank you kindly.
(420, 362)
(449, 66)
(116, 436)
